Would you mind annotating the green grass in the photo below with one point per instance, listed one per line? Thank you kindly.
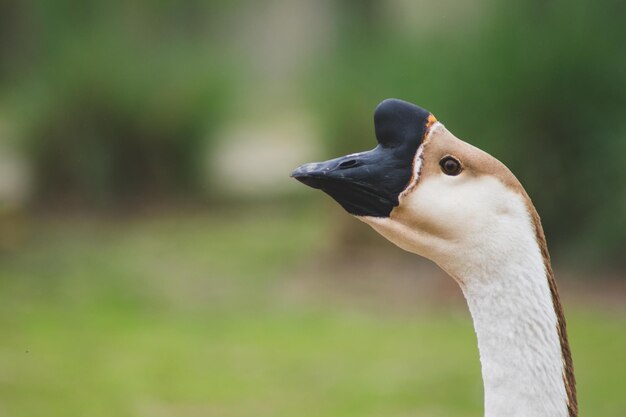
(184, 316)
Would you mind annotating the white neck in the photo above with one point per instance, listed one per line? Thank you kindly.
(483, 234)
(516, 325)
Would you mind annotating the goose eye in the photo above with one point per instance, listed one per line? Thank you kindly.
(450, 166)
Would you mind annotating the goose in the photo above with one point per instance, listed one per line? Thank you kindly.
(436, 196)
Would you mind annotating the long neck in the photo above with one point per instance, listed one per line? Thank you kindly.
(493, 245)
(519, 326)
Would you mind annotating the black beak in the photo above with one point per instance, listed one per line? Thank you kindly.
(369, 183)
(353, 182)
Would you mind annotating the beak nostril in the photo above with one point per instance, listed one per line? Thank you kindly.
(348, 164)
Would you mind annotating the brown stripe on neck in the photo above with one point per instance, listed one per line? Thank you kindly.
(568, 365)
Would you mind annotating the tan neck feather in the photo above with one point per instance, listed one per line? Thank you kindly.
(568, 365)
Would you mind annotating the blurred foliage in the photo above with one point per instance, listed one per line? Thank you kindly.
(538, 84)
(114, 102)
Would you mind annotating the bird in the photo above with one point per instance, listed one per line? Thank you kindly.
(435, 195)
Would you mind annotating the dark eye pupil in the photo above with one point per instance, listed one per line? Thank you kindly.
(450, 166)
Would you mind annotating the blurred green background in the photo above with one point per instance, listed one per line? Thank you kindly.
(157, 260)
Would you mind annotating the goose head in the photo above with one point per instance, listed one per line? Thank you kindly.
(424, 189)
(435, 195)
